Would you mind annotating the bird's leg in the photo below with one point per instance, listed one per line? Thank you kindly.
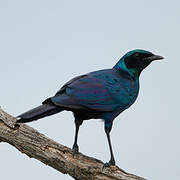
(75, 147)
(112, 161)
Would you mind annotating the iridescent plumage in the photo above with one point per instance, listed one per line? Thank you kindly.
(101, 94)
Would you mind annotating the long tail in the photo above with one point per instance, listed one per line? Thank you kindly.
(38, 112)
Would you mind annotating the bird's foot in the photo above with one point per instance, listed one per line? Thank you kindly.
(75, 149)
(108, 164)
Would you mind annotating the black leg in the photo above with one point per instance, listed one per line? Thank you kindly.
(75, 148)
(112, 161)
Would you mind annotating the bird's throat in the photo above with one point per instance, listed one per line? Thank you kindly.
(135, 72)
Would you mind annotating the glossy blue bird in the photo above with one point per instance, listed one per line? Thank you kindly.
(101, 94)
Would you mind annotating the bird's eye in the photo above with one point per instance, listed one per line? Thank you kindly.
(136, 54)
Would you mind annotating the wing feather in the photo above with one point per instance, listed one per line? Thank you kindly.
(85, 92)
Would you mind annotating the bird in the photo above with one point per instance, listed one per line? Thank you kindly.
(102, 94)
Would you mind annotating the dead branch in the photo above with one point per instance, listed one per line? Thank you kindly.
(36, 145)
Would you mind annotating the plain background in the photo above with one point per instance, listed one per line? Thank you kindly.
(44, 43)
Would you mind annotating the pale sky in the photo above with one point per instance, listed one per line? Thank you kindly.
(44, 43)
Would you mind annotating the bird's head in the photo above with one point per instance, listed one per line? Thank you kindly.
(136, 60)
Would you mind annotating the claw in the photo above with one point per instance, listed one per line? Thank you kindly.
(75, 150)
(108, 164)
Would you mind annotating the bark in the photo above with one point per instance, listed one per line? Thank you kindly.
(36, 145)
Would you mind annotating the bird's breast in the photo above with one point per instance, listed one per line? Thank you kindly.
(124, 93)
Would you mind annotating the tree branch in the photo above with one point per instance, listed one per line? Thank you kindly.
(36, 145)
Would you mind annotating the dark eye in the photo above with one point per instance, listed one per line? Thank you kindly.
(136, 54)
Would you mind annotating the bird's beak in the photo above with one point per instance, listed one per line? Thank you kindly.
(154, 57)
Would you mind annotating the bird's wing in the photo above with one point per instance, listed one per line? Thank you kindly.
(63, 88)
(85, 92)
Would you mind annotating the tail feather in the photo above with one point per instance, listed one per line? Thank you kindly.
(38, 112)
